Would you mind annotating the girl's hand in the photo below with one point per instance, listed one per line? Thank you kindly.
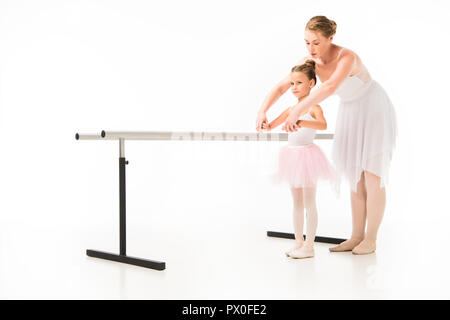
(290, 125)
(261, 122)
(265, 127)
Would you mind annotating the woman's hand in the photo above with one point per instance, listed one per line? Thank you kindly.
(261, 122)
(290, 125)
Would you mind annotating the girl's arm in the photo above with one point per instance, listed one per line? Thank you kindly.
(326, 89)
(319, 124)
(280, 119)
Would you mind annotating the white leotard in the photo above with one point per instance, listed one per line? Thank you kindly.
(355, 86)
(302, 136)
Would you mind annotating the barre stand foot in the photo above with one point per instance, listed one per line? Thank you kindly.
(292, 236)
(151, 264)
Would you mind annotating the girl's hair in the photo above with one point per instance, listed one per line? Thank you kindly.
(308, 68)
(321, 23)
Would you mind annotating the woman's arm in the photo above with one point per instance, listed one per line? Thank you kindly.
(279, 89)
(274, 94)
(280, 119)
(326, 89)
(271, 98)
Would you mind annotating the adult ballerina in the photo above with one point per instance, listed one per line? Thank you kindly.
(366, 128)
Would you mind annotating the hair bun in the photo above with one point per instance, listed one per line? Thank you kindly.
(321, 23)
(333, 25)
(311, 63)
(308, 68)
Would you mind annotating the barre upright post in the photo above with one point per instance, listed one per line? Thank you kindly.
(122, 201)
(122, 256)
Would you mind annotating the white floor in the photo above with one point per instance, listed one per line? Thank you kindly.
(231, 262)
(210, 229)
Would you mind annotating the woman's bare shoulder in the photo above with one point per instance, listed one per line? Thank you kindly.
(348, 53)
(352, 56)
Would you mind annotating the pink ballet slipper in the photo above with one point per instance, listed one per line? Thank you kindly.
(297, 246)
(306, 251)
(365, 247)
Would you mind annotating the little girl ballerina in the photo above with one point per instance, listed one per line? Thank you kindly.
(302, 163)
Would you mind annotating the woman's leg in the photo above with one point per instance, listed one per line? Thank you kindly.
(376, 203)
(359, 213)
(298, 211)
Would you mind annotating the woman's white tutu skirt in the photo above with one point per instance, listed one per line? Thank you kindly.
(365, 136)
(303, 167)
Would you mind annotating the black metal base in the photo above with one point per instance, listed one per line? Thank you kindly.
(157, 265)
(292, 236)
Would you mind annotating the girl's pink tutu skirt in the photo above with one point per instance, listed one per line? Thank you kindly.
(303, 166)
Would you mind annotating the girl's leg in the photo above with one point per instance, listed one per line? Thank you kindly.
(376, 203)
(307, 250)
(359, 213)
(298, 210)
(309, 199)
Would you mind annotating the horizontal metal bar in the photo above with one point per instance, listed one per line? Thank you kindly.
(190, 136)
(316, 239)
(88, 136)
(157, 265)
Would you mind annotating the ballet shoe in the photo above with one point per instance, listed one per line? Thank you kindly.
(297, 246)
(303, 252)
(347, 245)
(365, 247)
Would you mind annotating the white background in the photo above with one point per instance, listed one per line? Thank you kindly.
(204, 207)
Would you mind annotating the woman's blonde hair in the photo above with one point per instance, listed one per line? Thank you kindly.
(308, 68)
(321, 23)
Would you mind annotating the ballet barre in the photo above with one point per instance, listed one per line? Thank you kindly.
(122, 136)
